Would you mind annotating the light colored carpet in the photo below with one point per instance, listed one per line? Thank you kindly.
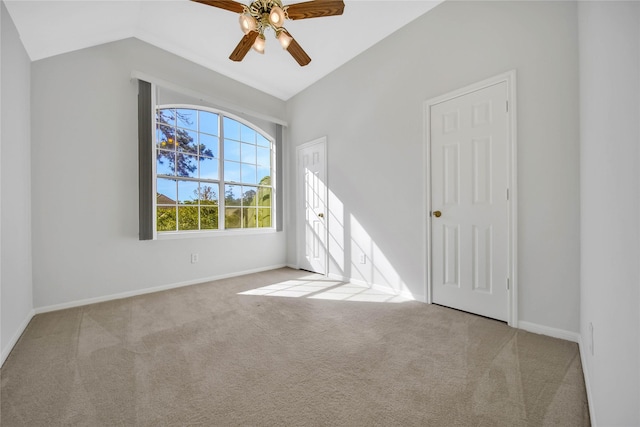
(209, 355)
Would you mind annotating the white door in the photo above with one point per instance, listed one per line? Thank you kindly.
(313, 214)
(469, 202)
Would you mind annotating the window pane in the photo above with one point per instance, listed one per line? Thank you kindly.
(249, 174)
(165, 137)
(263, 142)
(187, 119)
(208, 194)
(264, 157)
(247, 134)
(264, 176)
(208, 145)
(208, 123)
(209, 218)
(167, 191)
(249, 196)
(187, 141)
(189, 145)
(208, 168)
(165, 162)
(248, 153)
(249, 217)
(232, 172)
(166, 116)
(166, 219)
(232, 218)
(264, 197)
(233, 195)
(187, 192)
(187, 165)
(231, 129)
(231, 150)
(264, 217)
(187, 218)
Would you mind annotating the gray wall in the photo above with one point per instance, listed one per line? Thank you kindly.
(85, 179)
(371, 111)
(610, 198)
(15, 178)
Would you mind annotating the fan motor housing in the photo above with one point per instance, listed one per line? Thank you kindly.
(259, 7)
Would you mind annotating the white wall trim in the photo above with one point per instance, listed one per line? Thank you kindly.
(509, 78)
(382, 288)
(549, 331)
(14, 340)
(334, 276)
(121, 295)
(587, 381)
(405, 294)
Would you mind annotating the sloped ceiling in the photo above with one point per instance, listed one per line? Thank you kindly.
(207, 35)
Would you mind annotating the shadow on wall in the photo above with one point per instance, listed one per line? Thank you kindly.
(353, 255)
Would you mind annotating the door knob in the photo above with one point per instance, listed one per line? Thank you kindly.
(321, 215)
(437, 214)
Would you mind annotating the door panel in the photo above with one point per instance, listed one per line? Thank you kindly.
(469, 182)
(312, 179)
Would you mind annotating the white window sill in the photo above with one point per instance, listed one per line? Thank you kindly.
(173, 235)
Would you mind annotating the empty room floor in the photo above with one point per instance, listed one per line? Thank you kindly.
(286, 347)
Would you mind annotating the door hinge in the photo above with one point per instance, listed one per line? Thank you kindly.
(508, 284)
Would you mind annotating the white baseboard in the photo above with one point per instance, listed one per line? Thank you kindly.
(403, 294)
(549, 331)
(334, 276)
(14, 340)
(381, 288)
(573, 337)
(587, 381)
(137, 292)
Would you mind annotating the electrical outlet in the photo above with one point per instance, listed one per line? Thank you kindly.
(363, 259)
(195, 258)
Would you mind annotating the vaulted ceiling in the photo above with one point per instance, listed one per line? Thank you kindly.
(207, 35)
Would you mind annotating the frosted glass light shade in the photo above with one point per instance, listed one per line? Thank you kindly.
(284, 38)
(247, 23)
(259, 44)
(276, 17)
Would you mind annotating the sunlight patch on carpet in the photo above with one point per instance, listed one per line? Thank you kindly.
(325, 289)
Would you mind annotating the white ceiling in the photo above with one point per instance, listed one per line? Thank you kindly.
(207, 35)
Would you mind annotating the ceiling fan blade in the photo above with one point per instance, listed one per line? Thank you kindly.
(315, 9)
(244, 46)
(298, 53)
(231, 5)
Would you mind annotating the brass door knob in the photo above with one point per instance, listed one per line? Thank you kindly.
(321, 215)
(437, 214)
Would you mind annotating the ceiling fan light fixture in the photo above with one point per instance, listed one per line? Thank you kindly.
(284, 38)
(276, 16)
(259, 44)
(248, 23)
(262, 15)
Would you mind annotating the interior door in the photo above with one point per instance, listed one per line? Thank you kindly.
(469, 202)
(312, 177)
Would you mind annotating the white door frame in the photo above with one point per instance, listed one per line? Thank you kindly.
(510, 78)
(300, 208)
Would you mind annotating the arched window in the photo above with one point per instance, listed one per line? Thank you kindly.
(213, 171)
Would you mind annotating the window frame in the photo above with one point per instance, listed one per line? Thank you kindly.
(221, 183)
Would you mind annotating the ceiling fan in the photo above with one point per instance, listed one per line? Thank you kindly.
(261, 15)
